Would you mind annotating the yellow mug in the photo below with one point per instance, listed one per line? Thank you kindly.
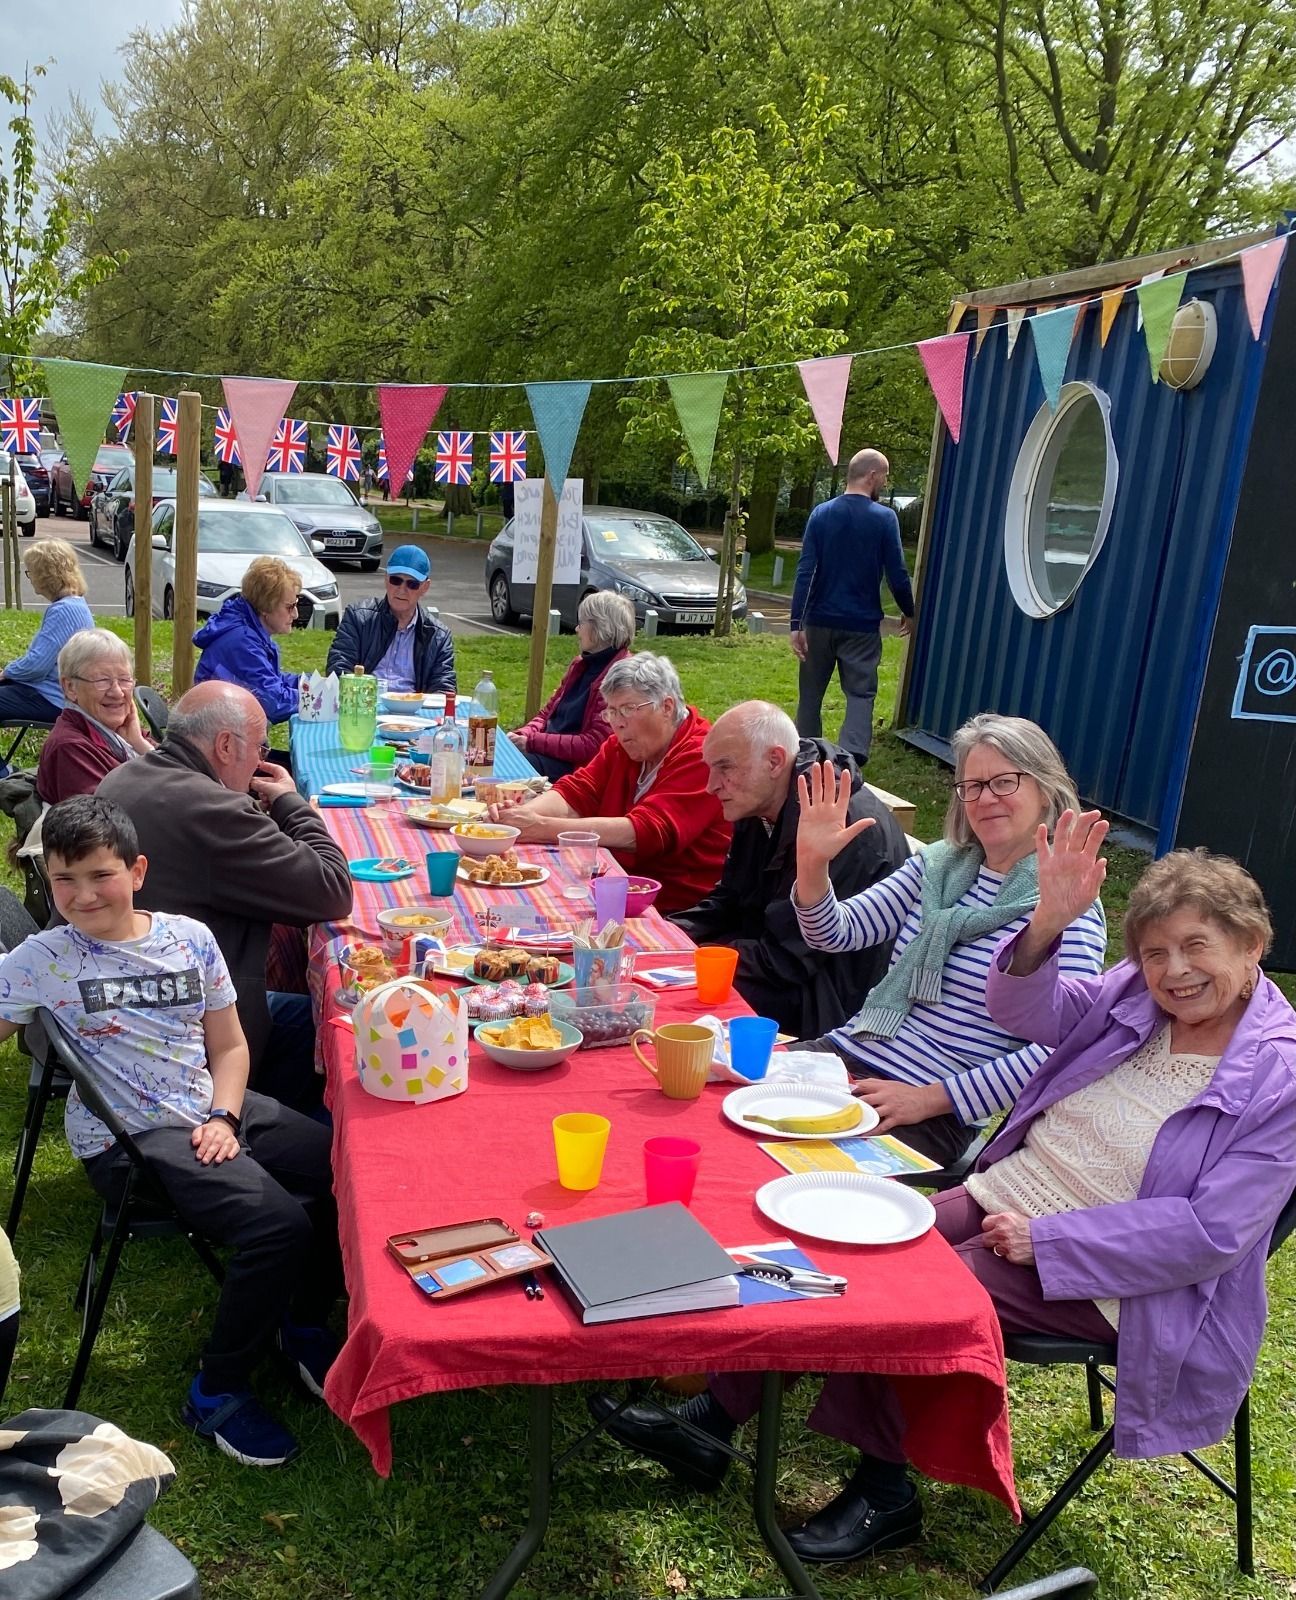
(684, 1051)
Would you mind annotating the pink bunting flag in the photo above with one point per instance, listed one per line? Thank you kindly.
(407, 411)
(1259, 269)
(825, 383)
(256, 407)
(944, 360)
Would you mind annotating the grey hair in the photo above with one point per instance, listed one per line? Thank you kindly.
(88, 646)
(654, 677)
(611, 616)
(1030, 750)
(202, 724)
(767, 727)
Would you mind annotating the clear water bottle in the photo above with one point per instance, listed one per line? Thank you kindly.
(482, 723)
(449, 749)
(357, 710)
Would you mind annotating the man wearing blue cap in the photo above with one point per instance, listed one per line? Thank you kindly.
(395, 636)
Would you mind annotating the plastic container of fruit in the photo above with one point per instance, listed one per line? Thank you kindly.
(640, 894)
(604, 1016)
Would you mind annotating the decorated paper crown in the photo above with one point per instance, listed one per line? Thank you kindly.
(317, 697)
(411, 1044)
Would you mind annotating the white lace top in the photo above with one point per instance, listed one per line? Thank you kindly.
(1090, 1148)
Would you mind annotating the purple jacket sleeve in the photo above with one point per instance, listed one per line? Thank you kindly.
(1147, 1246)
(1042, 1006)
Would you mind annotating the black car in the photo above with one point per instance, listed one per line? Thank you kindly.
(641, 554)
(112, 510)
(38, 479)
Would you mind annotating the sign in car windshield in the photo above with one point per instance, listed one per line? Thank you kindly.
(527, 502)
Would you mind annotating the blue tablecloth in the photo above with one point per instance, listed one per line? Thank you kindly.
(318, 757)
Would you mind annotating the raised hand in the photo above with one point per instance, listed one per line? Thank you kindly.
(1071, 873)
(822, 829)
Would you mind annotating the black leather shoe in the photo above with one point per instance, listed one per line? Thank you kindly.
(657, 1435)
(849, 1527)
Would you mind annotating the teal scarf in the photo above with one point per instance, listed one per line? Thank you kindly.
(949, 871)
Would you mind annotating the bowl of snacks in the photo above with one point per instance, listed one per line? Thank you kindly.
(640, 894)
(398, 923)
(482, 839)
(604, 1016)
(528, 1044)
(402, 703)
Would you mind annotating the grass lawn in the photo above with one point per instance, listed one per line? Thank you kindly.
(328, 1529)
(400, 518)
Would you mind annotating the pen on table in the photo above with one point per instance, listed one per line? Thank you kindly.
(532, 1285)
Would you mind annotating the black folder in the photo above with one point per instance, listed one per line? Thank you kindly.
(642, 1263)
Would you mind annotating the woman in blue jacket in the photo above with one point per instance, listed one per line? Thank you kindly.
(237, 644)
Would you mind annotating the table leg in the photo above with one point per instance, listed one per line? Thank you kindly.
(767, 1451)
(540, 1455)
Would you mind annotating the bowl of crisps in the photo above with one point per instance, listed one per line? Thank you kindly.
(398, 923)
(482, 839)
(528, 1044)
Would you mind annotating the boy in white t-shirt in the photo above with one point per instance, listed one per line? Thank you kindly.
(148, 1000)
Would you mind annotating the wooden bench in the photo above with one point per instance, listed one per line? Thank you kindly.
(904, 811)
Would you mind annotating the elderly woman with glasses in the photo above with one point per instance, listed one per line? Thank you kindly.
(238, 645)
(30, 687)
(645, 791)
(571, 725)
(99, 727)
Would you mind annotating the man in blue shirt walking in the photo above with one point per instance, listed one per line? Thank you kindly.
(849, 544)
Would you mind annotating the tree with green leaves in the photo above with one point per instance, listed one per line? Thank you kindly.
(744, 263)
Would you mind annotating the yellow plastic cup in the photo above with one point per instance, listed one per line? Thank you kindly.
(580, 1139)
(715, 965)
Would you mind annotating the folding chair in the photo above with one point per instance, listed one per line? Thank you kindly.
(45, 1080)
(142, 1211)
(24, 726)
(951, 1176)
(38, 898)
(153, 708)
(1042, 1349)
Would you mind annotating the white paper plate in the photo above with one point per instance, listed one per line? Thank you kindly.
(795, 1097)
(537, 875)
(846, 1207)
(361, 791)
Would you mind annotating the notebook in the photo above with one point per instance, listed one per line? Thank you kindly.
(643, 1263)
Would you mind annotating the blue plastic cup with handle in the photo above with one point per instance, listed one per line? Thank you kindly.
(751, 1042)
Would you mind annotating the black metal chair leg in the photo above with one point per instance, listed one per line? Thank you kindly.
(25, 1157)
(98, 1303)
(540, 1450)
(1037, 1526)
(207, 1256)
(1242, 1481)
(1097, 1421)
(767, 1448)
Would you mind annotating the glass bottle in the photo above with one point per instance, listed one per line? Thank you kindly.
(357, 710)
(482, 723)
(449, 748)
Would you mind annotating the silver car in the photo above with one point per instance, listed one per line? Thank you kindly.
(640, 554)
(324, 509)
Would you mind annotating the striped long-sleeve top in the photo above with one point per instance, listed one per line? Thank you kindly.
(983, 1068)
(38, 668)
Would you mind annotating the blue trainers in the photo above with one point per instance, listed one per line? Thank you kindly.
(240, 1426)
(312, 1351)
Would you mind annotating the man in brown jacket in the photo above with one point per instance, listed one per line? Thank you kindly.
(230, 842)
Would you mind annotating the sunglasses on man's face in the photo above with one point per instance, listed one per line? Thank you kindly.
(398, 582)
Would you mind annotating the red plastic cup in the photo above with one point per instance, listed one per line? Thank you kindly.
(670, 1169)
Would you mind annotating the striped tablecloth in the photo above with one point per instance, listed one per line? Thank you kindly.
(318, 757)
(383, 830)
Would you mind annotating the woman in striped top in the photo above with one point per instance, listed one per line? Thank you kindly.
(930, 1059)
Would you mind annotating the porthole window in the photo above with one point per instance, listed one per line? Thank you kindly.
(1060, 500)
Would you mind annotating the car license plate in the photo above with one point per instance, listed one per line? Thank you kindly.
(340, 541)
(706, 617)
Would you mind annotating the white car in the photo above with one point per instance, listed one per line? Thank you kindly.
(24, 500)
(231, 534)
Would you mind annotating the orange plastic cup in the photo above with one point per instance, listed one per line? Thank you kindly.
(715, 966)
(580, 1140)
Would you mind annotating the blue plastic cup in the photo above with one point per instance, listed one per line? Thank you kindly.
(441, 868)
(751, 1043)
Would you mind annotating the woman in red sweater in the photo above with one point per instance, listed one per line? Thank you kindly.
(571, 725)
(645, 791)
(99, 727)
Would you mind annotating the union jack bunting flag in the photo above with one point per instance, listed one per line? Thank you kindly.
(454, 457)
(507, 457)
(287, 452)
(383, 474)
(227, 450)
(123, 415)
(342, 452)
(20, 425)
(168, 428)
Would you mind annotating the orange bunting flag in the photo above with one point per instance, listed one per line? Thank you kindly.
(956, 315)
(1111, 304)
(985, 315)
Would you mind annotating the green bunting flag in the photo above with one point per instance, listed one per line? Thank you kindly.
(698, 397)
(82, 395)
(1158, 301)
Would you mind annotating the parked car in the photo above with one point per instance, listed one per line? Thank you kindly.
(641, 554)
(112, 510)
(24, 500)
(230, 537)
(37, 476)
(64, 500)
(324, 508)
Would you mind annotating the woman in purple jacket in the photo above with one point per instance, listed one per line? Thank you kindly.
(238, 645)
(569, 728)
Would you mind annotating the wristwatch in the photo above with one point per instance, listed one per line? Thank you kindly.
(228, 1116)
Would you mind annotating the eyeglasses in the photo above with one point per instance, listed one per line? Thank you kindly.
(102, 685)
(263, 749)
(622, 714)
(1001, 784)
(404, 583)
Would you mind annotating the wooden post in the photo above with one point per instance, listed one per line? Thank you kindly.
(185, 542)
(6, 536)
(543, 595)
(13, 534)
(142, 573)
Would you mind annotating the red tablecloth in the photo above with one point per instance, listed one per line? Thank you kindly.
(911, 1310)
